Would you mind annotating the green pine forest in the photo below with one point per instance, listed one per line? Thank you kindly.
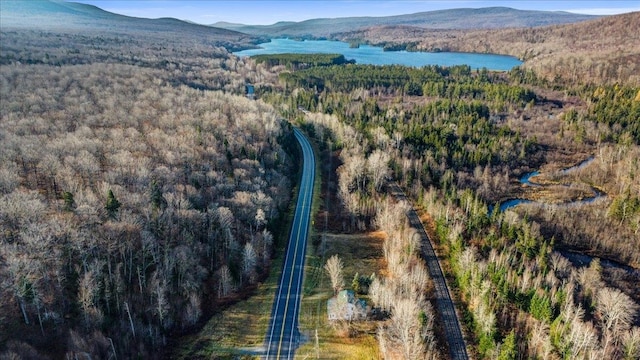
(142, 194)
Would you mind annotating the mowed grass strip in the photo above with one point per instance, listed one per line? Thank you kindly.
(239, 330)
(360, 253)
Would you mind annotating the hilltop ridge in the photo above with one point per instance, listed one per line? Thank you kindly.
(605, 49)
(462, 18)
(70, 16)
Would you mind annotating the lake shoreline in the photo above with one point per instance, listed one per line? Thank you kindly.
(374, 55)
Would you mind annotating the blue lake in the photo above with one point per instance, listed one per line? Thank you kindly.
(372, 55)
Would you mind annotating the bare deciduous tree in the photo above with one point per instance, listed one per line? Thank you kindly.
(225, 280)
(249, 261)
(631, 344)
(377, 164)
(617, 311)
(162, 306)
(334, 270)
(408, 331)
(267, 243)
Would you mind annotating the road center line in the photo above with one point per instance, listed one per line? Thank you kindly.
(292, 257)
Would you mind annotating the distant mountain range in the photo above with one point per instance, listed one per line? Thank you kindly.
(63, 16)
(602, 49)
(464, 19)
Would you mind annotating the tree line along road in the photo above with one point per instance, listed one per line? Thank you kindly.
(283, 336)
(444, 304)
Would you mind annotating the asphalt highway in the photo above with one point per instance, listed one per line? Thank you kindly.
(283, 335)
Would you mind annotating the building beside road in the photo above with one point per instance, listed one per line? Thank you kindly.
(345, 306)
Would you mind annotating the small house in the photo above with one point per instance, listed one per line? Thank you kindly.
(345, 306)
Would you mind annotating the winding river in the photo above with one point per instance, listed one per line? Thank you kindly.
(526, 180)
(578, 259)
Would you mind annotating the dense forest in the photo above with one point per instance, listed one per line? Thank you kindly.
(457, 140)
(141, 192)
(601, 51)
(298, 61)
(132, 202)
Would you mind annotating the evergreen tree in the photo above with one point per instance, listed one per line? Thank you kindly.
(355, 284)
(509, 349)
(69, 203)
(112, 205)
(157, 200)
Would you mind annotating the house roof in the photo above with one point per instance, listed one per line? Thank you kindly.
(346, 297)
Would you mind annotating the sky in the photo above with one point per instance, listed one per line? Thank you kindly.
(264, 12)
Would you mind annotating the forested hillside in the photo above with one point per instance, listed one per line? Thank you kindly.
(605, 50)
(460, 18)
(81, 20)
(139, 189)
(458, 141)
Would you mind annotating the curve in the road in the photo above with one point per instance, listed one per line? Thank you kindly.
(282, 335)
(444, 304)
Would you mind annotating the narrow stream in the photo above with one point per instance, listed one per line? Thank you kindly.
(586, 162)
(526, 180)
(578, 259)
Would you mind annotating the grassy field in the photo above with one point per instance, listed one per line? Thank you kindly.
(360, 253)
(239, 330)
